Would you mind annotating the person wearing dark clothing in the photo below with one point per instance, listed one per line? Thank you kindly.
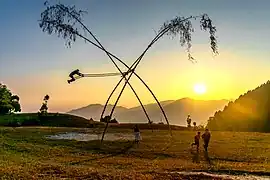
(206, 138)
(71, 75)
(197, 140)
(137, 134)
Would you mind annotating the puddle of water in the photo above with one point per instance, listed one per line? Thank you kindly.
(90, 137)
(225, 176)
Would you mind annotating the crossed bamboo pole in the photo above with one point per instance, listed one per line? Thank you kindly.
(131, 69)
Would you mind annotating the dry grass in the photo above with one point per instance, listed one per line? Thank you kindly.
(26, 154)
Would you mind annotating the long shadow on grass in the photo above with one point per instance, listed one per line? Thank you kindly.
(207, 158)
(230, 160)
(111, 149)
(104, 150)
(195, 156)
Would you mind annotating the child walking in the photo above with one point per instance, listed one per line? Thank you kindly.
(137, 134)
(197, 140)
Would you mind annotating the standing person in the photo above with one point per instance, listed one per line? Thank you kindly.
(197, 140)
(206, 138)
(137, 134)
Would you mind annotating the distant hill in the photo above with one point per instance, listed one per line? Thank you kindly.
(250, 112)
(94, 111)
(176, 110)
(51, 119)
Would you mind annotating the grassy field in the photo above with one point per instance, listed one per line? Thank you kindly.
(27, 154)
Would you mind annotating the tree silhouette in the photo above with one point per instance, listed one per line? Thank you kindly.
(194, 124)
(44, 107)
(8, 103)
(188, 121)
(46, 98)
(67, 23)
(107, 119)
(250, 112)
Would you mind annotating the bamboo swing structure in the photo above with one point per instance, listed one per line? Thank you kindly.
(66, 22)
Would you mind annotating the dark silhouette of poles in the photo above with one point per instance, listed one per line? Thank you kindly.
(61, 20)
(127, 80)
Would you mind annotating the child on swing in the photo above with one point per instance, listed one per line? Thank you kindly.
(72, 74)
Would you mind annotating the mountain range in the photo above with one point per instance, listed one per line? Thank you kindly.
(176, 111)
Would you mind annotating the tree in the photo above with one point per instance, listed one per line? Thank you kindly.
(107, 119)
(44, 107)
(8, 103)
(46, 98)
(250, 112)
(194, 124)
(67, 23)
(189, 121)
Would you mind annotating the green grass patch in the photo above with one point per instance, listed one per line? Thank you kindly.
(51, 119)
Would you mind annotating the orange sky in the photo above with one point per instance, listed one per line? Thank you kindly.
(224, 76)
(34, 64)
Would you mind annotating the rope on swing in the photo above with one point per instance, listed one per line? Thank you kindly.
(99, 75)
(77, 75)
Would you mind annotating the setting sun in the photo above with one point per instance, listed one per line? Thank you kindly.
(199, 88)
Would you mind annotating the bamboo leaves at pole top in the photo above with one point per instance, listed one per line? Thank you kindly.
(62, 20)
(183, 27)
(66, 22)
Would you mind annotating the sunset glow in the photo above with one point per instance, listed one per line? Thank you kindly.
(165, 68)
(199, 88)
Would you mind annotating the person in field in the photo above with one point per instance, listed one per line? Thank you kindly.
(197, 140)
(206, 138)
(137, 134)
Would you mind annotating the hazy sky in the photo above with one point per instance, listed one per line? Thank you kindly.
(33, 63)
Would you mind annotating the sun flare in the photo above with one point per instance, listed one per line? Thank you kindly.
(199, 88)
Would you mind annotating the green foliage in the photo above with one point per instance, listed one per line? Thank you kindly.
(51, 119)
(250, 112)
(8, 103)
